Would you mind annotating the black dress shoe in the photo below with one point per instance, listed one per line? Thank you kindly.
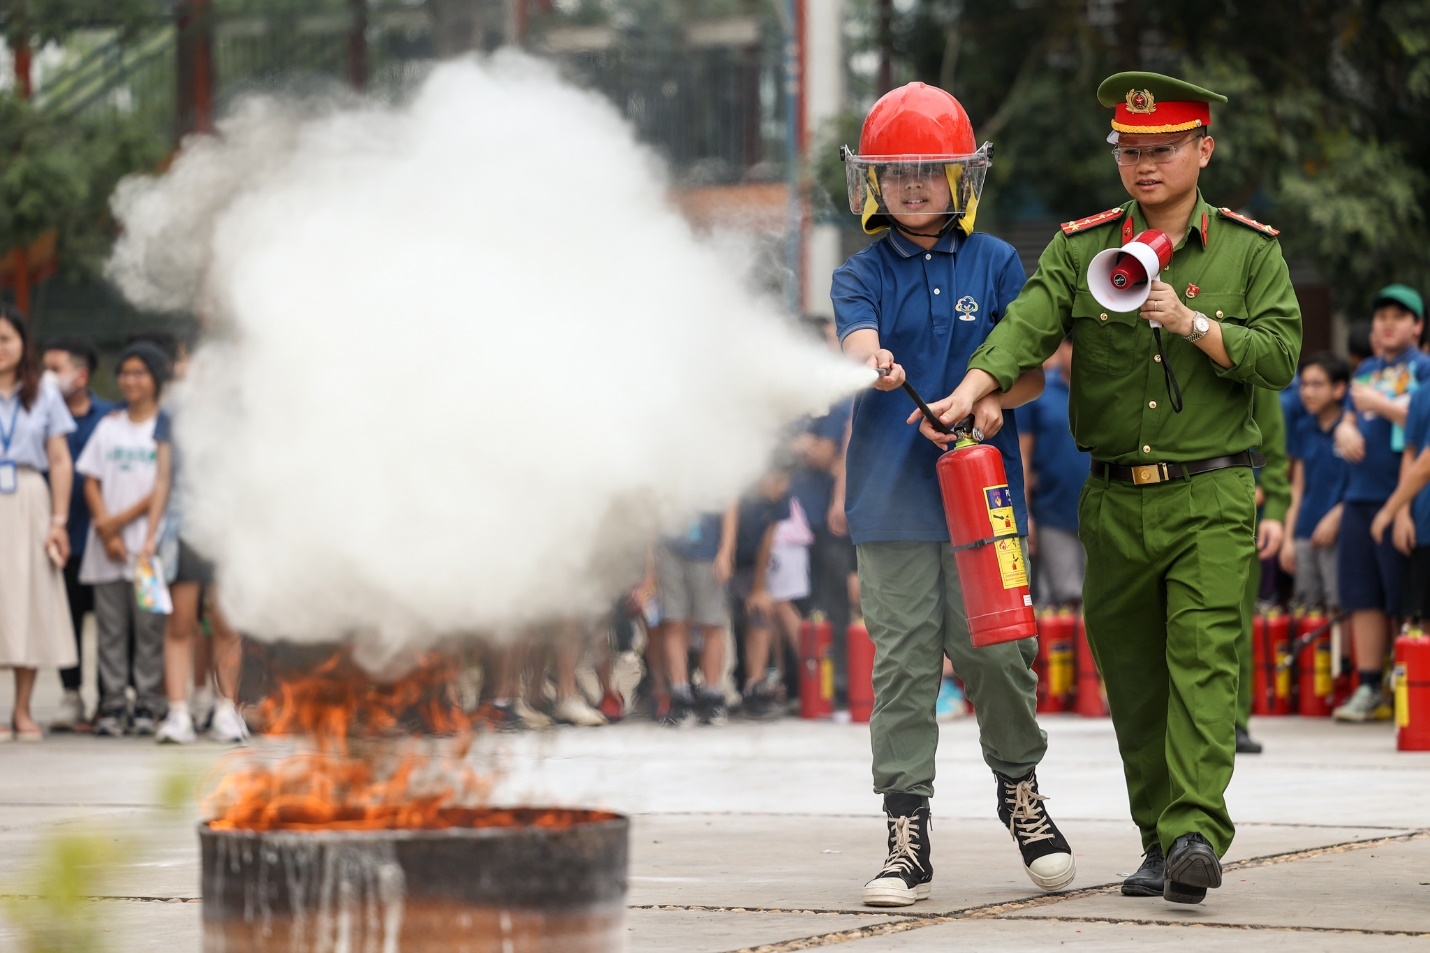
(1148, 880)
(1245, 744)
(1192, 867)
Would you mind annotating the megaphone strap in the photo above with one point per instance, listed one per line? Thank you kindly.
(1174, 390)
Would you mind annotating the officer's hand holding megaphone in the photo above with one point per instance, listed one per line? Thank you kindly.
(1165, 308)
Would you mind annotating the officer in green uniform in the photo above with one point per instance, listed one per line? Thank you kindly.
(1168, 515)
(1274, 499)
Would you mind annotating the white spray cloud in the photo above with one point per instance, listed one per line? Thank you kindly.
(471, 356)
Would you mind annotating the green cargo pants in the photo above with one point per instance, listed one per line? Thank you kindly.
(913, 607)
(1163, 597)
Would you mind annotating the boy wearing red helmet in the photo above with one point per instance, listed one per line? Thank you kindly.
(915, 305)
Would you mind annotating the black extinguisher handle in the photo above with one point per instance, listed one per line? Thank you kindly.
(964, 426)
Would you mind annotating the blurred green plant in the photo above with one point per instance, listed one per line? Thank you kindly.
(55, 912)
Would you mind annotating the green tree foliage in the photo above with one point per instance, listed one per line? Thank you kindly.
(60, 174)
(1327, 133)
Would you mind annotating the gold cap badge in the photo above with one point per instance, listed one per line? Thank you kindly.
(1141, 101)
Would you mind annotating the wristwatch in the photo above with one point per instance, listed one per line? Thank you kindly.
(1201, 324)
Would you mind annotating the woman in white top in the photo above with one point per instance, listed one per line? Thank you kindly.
(34, 613)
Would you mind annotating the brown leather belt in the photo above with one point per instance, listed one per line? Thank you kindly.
(1150, 473)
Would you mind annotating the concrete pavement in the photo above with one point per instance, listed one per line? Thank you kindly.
(757, 837)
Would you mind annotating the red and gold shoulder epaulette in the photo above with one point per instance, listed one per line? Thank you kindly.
(1249, 222)
(1092, 221)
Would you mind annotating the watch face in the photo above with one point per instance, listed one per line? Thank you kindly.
(1202, 324)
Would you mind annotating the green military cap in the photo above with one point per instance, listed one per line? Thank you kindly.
(1151, 103)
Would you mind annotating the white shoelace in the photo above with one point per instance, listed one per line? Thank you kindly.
(903, 856)
(1028, 824)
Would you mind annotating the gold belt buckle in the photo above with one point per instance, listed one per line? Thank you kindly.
(1155, 473)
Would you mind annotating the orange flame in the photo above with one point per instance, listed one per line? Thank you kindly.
(363, 769)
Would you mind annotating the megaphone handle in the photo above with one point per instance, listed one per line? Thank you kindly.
(1156, 277)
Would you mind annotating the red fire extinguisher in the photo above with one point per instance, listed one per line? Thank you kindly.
(1091, 696)
(859, 654)
(1412, 692)
(816, 675)
(1317, 686)
(979, 508)
(1054, 665)
(1279, 661)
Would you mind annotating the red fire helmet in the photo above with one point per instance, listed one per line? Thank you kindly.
(912, 131)
(917, 120)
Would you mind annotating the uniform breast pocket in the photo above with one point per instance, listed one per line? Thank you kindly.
(1104, 341)
(1227, 307)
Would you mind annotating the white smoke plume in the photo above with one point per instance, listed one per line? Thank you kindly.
(469, 357)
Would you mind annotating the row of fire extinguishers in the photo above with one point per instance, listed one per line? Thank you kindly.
(1296, 668)
(1068, 680)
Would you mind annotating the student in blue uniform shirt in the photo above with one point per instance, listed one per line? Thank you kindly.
(915, 305)
(1371, 437)
(1318, 483)
(1055, 470)
(1412, 534)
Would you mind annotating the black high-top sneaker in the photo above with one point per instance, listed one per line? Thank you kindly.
(1046, 855)
(907, 872)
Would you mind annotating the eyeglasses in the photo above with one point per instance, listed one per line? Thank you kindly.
(1160, 153)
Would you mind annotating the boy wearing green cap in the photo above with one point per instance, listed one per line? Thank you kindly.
(1370, 573)
(1168, 515)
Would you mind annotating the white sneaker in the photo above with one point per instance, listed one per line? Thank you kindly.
(201, 706)
(532, 717)
(576, 711)
(176, 729)
(1366, 704)
(70, 714)
(228, 725)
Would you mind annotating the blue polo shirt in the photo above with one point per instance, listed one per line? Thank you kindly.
(814, 488)
(1292, 410)
(1061, 468)
(701, 540)
(1417, 436)
(79, 509)
(932, 309)
(1374, 478)
(1323, 474)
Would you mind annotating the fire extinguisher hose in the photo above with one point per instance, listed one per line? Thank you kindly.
(964, 426)
(1304, 641)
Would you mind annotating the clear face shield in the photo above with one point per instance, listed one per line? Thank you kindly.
(915, 185)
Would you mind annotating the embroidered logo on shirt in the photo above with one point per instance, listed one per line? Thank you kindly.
(966, 308)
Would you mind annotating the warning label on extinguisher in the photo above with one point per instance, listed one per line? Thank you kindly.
(1000, 510)
(1010, 563)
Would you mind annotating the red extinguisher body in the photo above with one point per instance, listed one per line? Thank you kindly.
(1260, 695)
(816, 675)
(1091, 696)
(1317, 686)
(859, 655)
(1280, 665)
(1412, 692)
(979, 508)
(1055, 668)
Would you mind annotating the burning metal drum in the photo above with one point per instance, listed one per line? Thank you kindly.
(525, 880)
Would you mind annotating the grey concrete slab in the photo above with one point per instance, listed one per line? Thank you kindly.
(125, 926)
(820, 863)
(1004, 936)
(761, 831)
(688, 931)
(1374, 889)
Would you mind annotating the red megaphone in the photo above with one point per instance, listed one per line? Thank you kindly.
(1121, 278)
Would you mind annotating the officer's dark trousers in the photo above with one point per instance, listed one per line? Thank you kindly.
(1166, 576)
